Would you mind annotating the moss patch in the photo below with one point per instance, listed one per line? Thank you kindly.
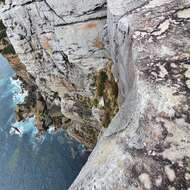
(101, 79)
(107, 88)
(5, 47)
(8, 50)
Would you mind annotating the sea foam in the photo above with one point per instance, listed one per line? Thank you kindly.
(19, 93)
(26, 126)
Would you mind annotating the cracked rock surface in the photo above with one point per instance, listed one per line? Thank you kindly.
(147, 145)
(60, 44)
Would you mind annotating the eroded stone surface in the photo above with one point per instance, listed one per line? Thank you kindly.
(146, 145)
(60, 44)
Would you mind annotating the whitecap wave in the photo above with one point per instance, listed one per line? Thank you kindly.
(26, 126)
(51, 130)
(19, 93)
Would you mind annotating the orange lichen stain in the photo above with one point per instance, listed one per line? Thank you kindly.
(89, 25)
(98, 43)
(45, 44)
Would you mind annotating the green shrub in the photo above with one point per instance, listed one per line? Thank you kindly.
(2, 30)
(8, 50)
(100, 82)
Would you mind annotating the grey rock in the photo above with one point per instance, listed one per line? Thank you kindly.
(60, 44)
(146, 145)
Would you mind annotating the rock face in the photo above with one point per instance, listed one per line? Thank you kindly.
(146, 145)
(60, 44)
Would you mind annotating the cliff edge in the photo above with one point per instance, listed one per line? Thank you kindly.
(146, 145)
(60, 44)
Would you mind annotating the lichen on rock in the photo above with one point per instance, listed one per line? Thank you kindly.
(145, 146)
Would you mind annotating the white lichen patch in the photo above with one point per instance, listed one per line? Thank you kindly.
(187, 176)
(145, 180)
(187, 74)
(188, 83)
(179, 146)
(162, 98)
(163, 72)
(162, 28)
(155, 3)
(170, 173)
(184, 13)
(171, 188)
(165, 51)
(158, 181)
(139, 34)
(170, 100)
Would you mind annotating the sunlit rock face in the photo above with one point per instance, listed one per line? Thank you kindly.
(146, 146)
(60, 44)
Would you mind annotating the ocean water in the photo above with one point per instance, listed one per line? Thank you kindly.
(26, 163)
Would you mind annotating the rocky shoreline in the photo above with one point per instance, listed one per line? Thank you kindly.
(94, 112)
(34, 104)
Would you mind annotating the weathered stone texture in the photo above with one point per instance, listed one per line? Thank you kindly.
(60, 44)
(147, 145)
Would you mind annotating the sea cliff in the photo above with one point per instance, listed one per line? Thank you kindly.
(91, 59)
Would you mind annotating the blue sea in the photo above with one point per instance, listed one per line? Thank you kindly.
(26, 163)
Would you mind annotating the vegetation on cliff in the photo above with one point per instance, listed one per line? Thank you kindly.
(106, 94)
(5, 47)
(66, 77)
